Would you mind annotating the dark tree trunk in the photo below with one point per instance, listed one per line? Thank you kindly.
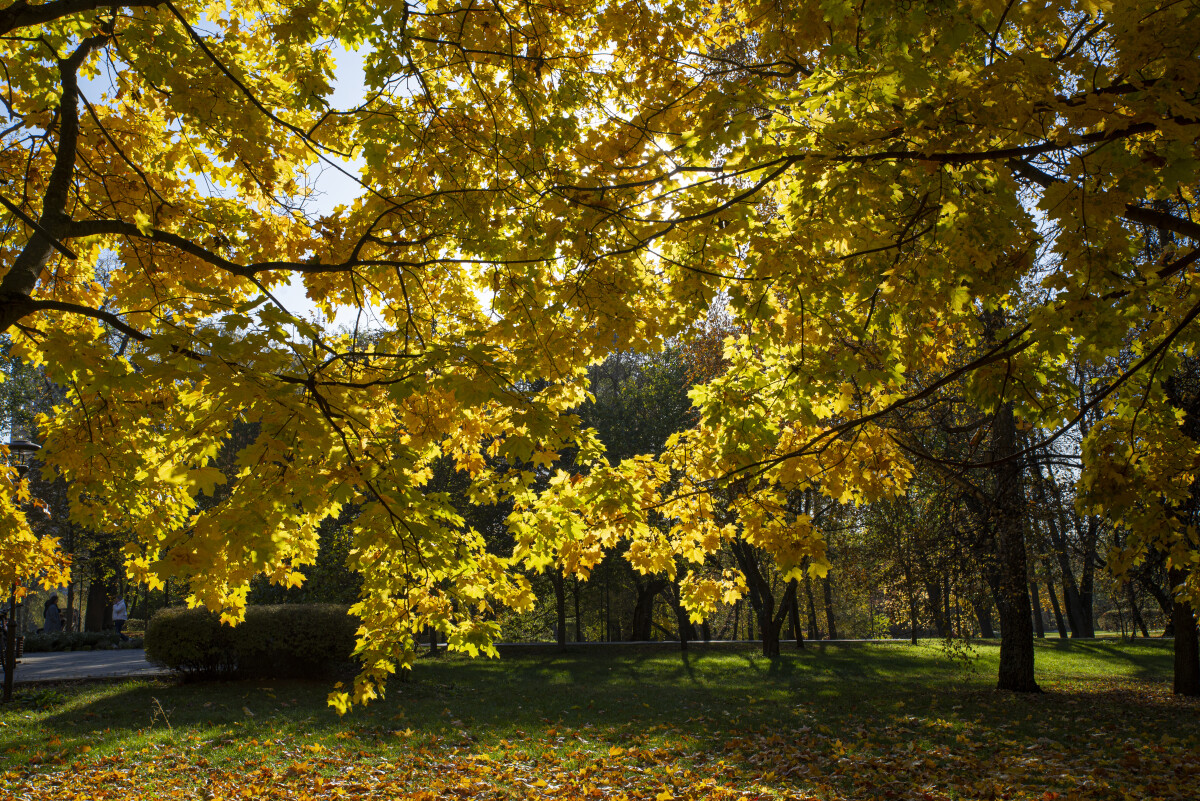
(1058, 615)
(687, 630)
(1038, 626)
(1086, 594)
(912, 614)
(772, 624)
(762, 600)
(643, 608)
(946, 599)
(1162, 597)
(10, 645)
(934, 590)
(1135, 613)
(560, 608)
(608, 634)
(1008, 522)
(1187, 643)
(982, 606)
(69, 623)
(97, 606)
(578, 617)
(794, 613)
(1071, 597)
(814, 633)
(770, 638)
(1075, 615)
(829, 619)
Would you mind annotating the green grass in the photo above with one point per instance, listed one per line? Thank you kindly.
(854, 721)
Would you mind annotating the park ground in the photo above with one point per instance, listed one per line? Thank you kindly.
(830, 722)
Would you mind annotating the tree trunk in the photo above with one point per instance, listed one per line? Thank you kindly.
(983, 615)
(578, 617)
(770, 637)
(1162, 597)
(97, 605)
(1071, 597)
(608, 634)
(762, 600)
(794, 613)
(829, 620)
(1058, 615)
(683, 621)
(1086, 593)
(1008, 522)
(814, 633)
(560, 608)
(933, 589)
(1187, 643)
(1135, 613)
(772, 624)
(69, 623)
(912, 616)
(10, 645)
(1038, 626)
(643, 608)
(1075, 615)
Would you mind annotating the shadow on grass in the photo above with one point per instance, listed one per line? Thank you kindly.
(708, 697)
(856, 721)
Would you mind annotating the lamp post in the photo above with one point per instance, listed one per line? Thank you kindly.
(20, 454)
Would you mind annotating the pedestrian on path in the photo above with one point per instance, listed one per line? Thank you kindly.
(120, 616)
(54, 621)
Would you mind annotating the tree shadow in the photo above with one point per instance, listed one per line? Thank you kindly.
(717, 696)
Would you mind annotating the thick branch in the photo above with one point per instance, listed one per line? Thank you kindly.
(23, 15)
(120, 227)
(20, 281)
(1133, 213)
(31, 306)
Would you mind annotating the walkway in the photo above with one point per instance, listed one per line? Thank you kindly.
(69, 665)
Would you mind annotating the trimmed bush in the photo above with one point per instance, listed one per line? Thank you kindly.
(283, 641)
(73, 641)
(135, 624)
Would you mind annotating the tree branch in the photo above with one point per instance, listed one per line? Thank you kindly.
(23, 15)
(18, 284)
(1137, 214)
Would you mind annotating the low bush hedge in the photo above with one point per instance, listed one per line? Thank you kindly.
(78, 641)
(282, 641)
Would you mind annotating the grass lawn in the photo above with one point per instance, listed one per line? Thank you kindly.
(851, 721)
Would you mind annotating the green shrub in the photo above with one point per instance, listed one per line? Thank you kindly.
(72, 641)
(191, 641)
(135, 624)
(283, 641)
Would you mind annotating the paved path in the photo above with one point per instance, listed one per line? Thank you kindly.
(63, 666)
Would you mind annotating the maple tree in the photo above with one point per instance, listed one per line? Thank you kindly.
(891, 202)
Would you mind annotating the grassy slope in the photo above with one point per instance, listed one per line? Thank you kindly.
(855, 721)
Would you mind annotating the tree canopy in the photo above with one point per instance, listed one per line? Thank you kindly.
(896, 205)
